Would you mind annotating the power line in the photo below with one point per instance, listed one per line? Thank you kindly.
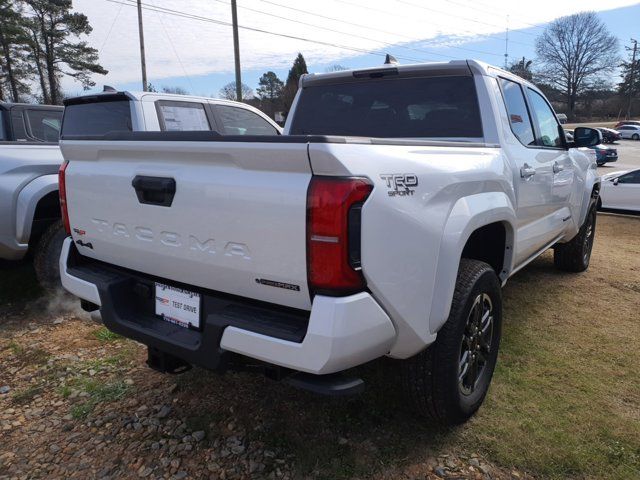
(339, 31)
(175, 52)
(178, 13)
(483, 52)
(532, 25)
(457, 16)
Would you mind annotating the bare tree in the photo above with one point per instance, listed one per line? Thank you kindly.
(574, 52)
(175, 90)
(228, 92)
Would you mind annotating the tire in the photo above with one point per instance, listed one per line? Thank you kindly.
(574, 256)
(47, 256)
(432, 379)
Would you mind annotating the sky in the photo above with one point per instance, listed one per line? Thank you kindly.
(189, 43)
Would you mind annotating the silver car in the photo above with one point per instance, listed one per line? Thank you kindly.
(630, 131)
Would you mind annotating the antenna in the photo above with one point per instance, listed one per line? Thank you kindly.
(506, 46)
(390, 60)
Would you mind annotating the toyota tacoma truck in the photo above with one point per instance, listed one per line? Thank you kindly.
(382, 223)
(29, 205)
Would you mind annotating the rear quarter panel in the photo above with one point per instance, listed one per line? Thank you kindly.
(411, 243)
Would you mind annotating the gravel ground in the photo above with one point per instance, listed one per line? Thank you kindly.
(78, 402)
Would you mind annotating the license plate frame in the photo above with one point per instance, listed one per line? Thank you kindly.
(178, 306)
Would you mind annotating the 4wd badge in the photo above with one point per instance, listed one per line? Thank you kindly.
(400, 184)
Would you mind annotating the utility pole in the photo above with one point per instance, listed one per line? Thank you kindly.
(236, 49)
(506, 46)
(143, 62)
(631, 75)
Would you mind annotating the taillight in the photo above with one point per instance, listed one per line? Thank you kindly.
(333, 234)
(62, 188)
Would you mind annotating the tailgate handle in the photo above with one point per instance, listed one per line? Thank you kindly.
(154, 190)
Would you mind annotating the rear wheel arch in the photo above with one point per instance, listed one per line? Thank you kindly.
(493, 244)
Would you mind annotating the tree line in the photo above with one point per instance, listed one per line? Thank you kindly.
(40, 43)
(272, 95)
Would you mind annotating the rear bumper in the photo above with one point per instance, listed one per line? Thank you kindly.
(338, 333)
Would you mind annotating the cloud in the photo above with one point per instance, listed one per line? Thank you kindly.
(177, 46)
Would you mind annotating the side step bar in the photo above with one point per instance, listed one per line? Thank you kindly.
(334, 384)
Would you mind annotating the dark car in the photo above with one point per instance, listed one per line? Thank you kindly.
(609, 135)
(626, 122)
(605, 154)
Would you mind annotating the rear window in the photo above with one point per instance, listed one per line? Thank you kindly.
(97, 118)
(432, 107)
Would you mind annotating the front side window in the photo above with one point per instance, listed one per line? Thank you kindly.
(182, 116)
(546, 121)
(631, 177)
(240, 121)
(517, 110)
(44, 125)
(439, 107)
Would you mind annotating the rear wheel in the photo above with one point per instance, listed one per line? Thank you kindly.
(574, 256)
(448, 381)
(635, 136)
(47, 256)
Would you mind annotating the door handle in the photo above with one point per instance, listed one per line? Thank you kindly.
(557, 168)
(526, 171)
(154, 190)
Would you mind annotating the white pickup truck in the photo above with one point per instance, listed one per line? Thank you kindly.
(382, 223)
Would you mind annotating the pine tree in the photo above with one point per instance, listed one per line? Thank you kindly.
(298, 69)
(56, 49)
(269, 90)
(15, 71)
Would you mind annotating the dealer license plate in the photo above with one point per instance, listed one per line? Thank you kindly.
(178, 306)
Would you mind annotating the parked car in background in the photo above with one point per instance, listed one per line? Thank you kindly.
(621, 191)
(605, 154)
(609, 135)
(626, 122)
(29, 201)
(562, 118)
(383, 223)
(630, 131)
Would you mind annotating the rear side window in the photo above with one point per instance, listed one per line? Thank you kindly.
(97, 118)
(429, 107)
(517, 110)
(240, 121)
(44, 125)
(182, 116)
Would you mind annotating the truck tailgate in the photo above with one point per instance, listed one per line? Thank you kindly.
(236, 222)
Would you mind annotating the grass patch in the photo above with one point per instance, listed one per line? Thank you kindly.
(565, 400)
(98, 392)
(25, 356)
(105, 335)
(26, 394)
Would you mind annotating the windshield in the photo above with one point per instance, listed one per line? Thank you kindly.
(429, 107)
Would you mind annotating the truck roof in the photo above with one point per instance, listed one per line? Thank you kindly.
(138, 96)
(8, 105)
(452, 67)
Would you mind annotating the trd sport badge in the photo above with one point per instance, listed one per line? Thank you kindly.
(400, 184)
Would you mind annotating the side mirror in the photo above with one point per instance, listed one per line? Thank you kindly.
(586, 137)
(615, 181)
